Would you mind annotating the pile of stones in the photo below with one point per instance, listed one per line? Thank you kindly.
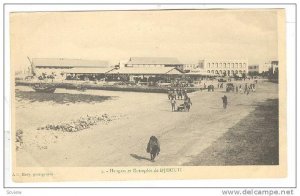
(78, 125)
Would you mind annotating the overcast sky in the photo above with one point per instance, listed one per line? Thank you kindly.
(113, 36)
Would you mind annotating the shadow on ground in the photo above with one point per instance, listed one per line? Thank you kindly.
(253, 141)
(139, 157)
(60, 98)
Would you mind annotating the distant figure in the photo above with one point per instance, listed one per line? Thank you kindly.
(184, 92)
(176, 94)
(153, 147)
(173, 104)
(236, 89)
(224, 99)
(179, 93)
(187, 103)
(170, 94)
(241, 90)
(246, 88)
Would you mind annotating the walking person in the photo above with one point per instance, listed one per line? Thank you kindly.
(173, 104)
(187, 103)
(153, 147)
(224, 99)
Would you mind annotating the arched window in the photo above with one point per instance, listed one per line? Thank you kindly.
(208, 71)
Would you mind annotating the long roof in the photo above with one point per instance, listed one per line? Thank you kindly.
(200, 74)
(96, 70)
(154, 61)
(146, 70)
(61, 62)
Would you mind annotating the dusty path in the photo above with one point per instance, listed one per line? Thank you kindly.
(123, 142)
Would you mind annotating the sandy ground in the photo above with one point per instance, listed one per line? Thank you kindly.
(122, 142)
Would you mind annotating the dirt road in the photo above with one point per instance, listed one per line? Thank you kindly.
(182, 135)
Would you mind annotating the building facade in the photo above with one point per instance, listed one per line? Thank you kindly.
(253, 69)
(274, 66)
(225, 67)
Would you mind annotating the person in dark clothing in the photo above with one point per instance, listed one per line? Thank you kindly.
(224, 99)
(187, 103)
(153, 147)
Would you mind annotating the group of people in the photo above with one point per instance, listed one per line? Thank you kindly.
(176, 93)
(246, 89)
(186, 106)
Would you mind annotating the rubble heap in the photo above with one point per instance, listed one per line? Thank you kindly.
(80, 124)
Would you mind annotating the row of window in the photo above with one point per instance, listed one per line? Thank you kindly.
(144, 65)
(226, 65)
(253, 67)
(224, 71)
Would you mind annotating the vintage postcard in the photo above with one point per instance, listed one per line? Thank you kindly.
(149, 94)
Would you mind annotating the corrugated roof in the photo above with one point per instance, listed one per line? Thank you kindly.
(90, 70)
(147, 70)
(153, 60)
(61, 62)
(201, 73)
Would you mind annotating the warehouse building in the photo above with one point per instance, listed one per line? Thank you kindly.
(154, 62)
(61, 67)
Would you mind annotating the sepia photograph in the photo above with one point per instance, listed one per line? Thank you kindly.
(148, 88)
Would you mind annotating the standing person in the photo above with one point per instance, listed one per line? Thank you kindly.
(241, 90)
(169, 94)
(236, 89)
(246, 88)
(180, 93)
(253, 89)
(224, 99)
(184, 93)
(173, 104)
(174, 94)
(187, 103)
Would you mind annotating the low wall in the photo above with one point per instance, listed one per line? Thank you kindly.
(66, 85)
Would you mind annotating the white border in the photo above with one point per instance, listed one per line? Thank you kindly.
(290, 33)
